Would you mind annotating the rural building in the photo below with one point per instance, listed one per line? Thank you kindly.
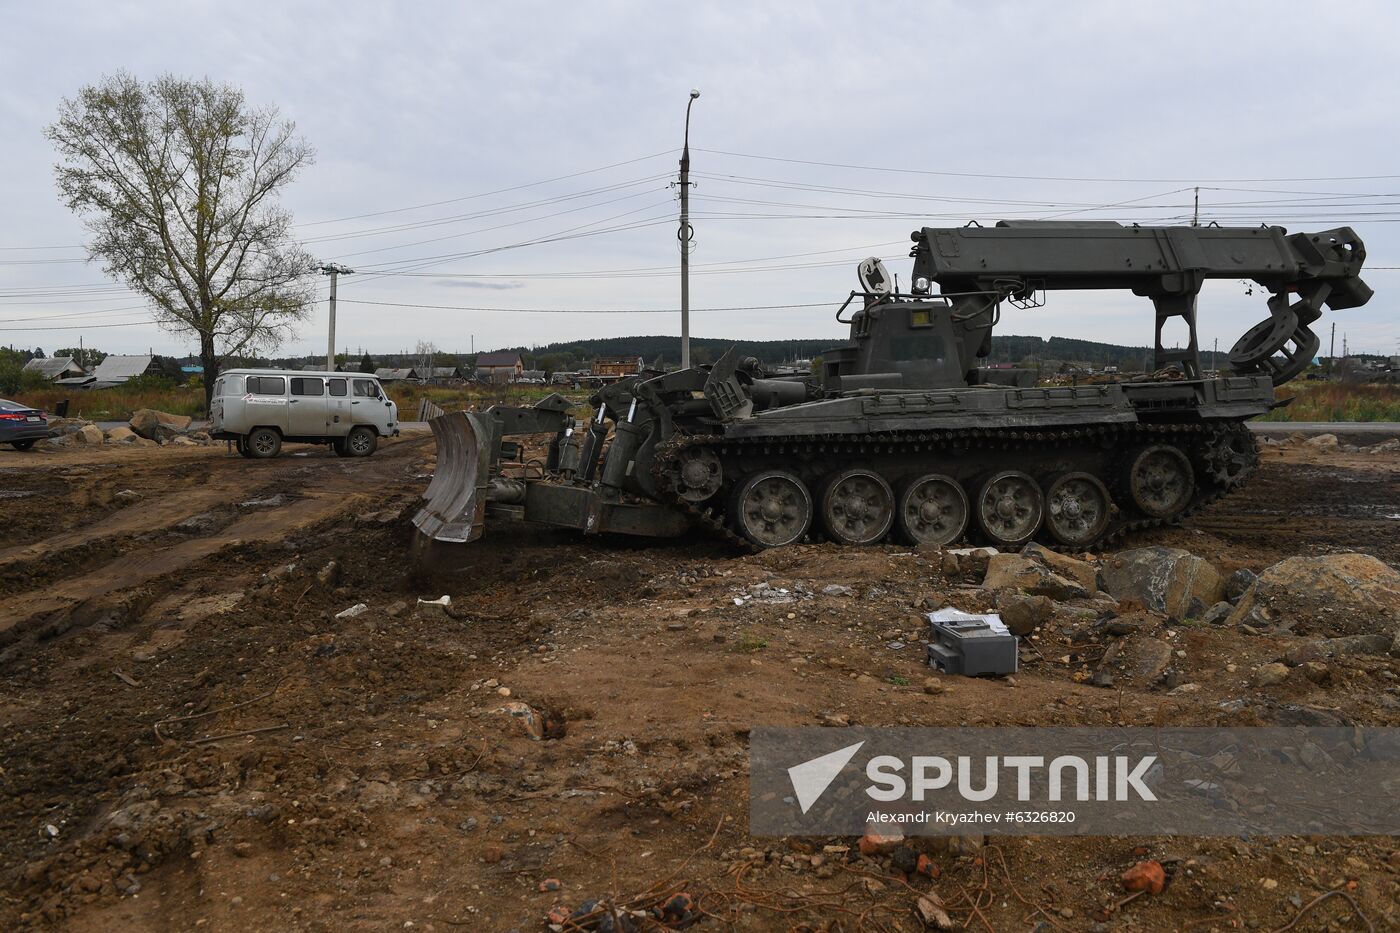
(115, 370)
(617, 367)
(55, 368)
(501, 366)
(446, 375)
(398, 375)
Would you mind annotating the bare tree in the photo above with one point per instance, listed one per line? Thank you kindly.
(178, 181)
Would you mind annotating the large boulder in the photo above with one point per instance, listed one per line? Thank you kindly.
(1139, 660)
(1015, 572)
(88, 434)
(158, 425)
(1024, 614)
(1164, 579)
(1332, 595)
(121, 434)
(1081, 572)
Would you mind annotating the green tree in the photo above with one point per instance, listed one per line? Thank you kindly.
(366, 364)
(177, 180)
(86, 357)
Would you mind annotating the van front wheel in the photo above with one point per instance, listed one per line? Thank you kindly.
(361, 442)
(264, 444)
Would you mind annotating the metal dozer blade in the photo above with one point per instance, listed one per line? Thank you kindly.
(456, 498)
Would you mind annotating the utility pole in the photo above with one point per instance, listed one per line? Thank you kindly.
(1196, 210)
(334, 271)
(684, 234)
(1332, 349)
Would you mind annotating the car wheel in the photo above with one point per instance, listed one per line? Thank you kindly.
(361, 442)
(22, 445)
(264, 443)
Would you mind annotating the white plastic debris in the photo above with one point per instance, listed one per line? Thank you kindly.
(992, 619)
(358, 609)
(436, 607)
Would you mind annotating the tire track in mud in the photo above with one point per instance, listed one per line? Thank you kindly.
(326, 488)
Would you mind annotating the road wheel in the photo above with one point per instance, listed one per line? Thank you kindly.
(1161, 482)
(361, 441)
(857, 507)
(263, 443)
(771, 508)
(22, 445)
(1077, 509)
(932, 510)
(1009, 509)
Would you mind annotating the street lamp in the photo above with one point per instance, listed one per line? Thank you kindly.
(684, 235)
(333, 270)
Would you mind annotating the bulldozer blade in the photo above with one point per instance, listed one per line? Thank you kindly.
(456, 497)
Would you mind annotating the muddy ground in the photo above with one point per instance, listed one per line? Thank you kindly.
(190, 739)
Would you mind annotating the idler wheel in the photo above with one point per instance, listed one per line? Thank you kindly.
(857, 507)
(1077, 509)
(771, 508)
(1161, 482)
(1010, 508)
(932, 510)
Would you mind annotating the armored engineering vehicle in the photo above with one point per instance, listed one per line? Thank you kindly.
(903, 433)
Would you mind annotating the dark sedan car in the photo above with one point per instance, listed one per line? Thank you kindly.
(21, 426)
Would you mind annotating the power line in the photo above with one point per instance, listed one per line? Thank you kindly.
(397, 304)
(941, 174)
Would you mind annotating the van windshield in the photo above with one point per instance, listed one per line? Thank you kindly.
(366, 388)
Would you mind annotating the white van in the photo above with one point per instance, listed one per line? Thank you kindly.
(262, 408)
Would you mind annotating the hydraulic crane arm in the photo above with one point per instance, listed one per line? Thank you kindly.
(978, 267)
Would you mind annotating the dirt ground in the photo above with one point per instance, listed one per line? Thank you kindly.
(190, 738)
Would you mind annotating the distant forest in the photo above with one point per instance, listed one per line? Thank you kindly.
(576, 354)
(1008, 349)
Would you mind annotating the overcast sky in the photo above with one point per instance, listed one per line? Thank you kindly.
(1277, 110)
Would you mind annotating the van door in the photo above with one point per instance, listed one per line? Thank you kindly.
(306, 407)
(370, 406)
(265, 403)
(338, 407)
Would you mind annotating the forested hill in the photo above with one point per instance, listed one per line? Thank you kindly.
(1009, 349)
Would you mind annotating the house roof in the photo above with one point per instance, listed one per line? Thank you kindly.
(444, 372)
(53, 367)
(498, 358)
(409, 373)
(121, 368)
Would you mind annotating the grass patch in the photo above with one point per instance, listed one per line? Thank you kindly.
(1337, 401)
(897, 680)
(751, 643)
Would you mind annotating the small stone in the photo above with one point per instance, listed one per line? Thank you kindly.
(358, 609)
(492, 854)
(1145, 876)
(874, 843)
(1271, 674)
(1316, 672)
(934, 686)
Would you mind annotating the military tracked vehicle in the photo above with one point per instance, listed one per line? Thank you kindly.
(904, 433)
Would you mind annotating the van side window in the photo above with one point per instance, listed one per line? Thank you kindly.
(219, 386)
(365, 388)
(305, 386)
(337, 386)
(266, 385)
